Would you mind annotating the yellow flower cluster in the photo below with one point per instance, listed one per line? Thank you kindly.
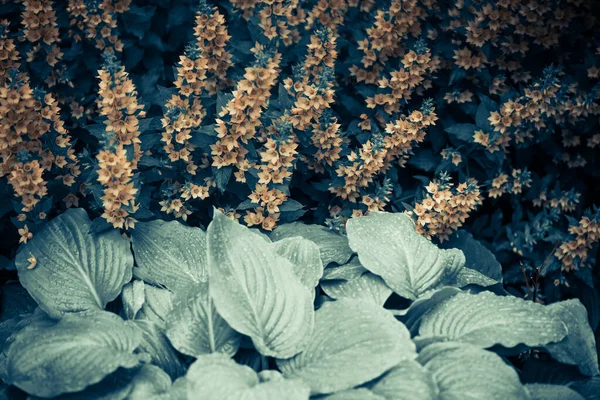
(403, 82)
(585, 233)
(279, 20)
(514, 184)
(28, 121)
(212, 36)
(97, 24)
(329, 13)
(566, 202)
(243, 111)
(445, 208)
(117, 162)
(41, 29)
(9, 55)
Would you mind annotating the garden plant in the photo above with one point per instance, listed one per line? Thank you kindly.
(299, 199)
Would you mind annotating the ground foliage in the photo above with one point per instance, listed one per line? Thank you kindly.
(478, 119)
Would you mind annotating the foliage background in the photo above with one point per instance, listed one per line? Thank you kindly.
(542, 55)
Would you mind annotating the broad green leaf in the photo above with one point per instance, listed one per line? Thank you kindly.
(157, 345)
(389, 246)
(149, 381)
(305, 259)
(157, 305)
(369, 287)
(424, 304)
(133, 298)
(486, 319)
(217, 377)
(194, 326)
(463, 371)
(75, 270)
(256, 291)
(332, 245)
(468, 276)
(406, 381)
(76, 352)
(169, 254)
(352, 269)
(477, 256)
(540, 391)
(353, 342)
(579, 347)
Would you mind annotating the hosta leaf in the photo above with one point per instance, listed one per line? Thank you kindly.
(389, 246)
(463, 371)
(149, 381)
(169, 254)
(75, 270)
(408, 380)
(255, 290)
(467, 276)
(477, 256)
(540, 391)
(133, 297)
(332, 245)
(352, 269)
(194, 326)
(368, 287)
(217, 377)
(353, 342)
(305, 258)
(77, 351)
(486, 319)
(157, 345)
(158, 303)
(421, 306)
(579, 347)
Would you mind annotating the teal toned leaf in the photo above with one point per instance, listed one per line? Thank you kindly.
(421, 306)
(486, 319)
(352, 269)
(149, 381)
(133, 297)
(157, 305)
(157, 345)
(463, 371)
(579, 347)
(77, 351)
(305, 258)
(217, 377)
(477, 256)
(467, 276)
(256, 291)
(353, 342)
(194, 326)
(333, 246)
(368, 287)
(75, 270)
(540, 391)
(169, 254)
(389, 246)
(407, 381)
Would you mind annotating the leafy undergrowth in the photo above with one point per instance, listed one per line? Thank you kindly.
(178, 312)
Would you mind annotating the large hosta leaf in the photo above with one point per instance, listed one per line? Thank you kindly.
(256, 291)
(579, 347)
(157, 345)
(305, 259)
(170, 254)
(332, 245)
(486, 319)
(76, 352)
(389, 246)
(407, 381)
(368, 287)
(75, 270)
(353, 342)
(463, 371)
(217, 377)
(194, 326)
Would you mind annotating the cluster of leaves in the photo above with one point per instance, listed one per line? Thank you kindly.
(229, 312)
(476, 114)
